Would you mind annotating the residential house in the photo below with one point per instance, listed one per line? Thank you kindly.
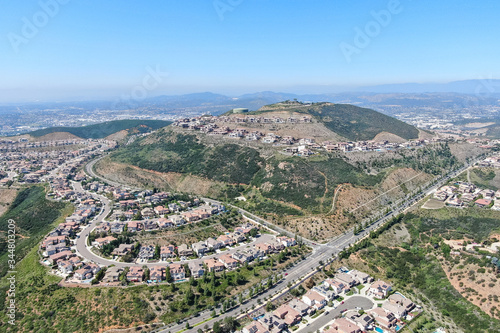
(184, 251)
(146, 252)
(383, 318)
(134, 226)
(65, 266)
(337, 286)
(165, 223)
(344, 325)
(55, 258)
(298, 305)
(100, 242)
(123, 249)
(157, 273)
(148, 213)
(255, 327)
(380, 289)
(113, 274)
(481, 203)
(226, 240)
(167, 251)
(177, 272)
(196, 269)
(360, 277)
(200, 248)
(83, 273)
(135, 274)
(398, 310)
(403, 301)
(288, 314)
(272, 323)
(347, 279)
(228, 261)
(313, 298)
(214, 244)
(213, 265)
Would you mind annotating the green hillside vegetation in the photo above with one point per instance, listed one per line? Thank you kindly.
(413, 264)
(183, 153)
(358, 124)
(35, 216)
(350, 121)
(306, 183)
(102, 130)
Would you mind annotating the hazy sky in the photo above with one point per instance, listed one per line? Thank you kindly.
(75, 48)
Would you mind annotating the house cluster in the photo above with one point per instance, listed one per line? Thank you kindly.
(463, 193)
(197, 268)
(213, 125)
(34, 166)
(56, 245)
(386, 316)
(492, 161)
(156, 218)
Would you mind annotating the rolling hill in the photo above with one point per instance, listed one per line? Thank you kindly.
(102, 130)
(349, 121)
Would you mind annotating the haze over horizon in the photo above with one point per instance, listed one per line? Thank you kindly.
(70, 50)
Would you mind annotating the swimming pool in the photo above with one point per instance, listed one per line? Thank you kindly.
(379, 330)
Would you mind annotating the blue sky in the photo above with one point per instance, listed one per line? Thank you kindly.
(97, 49)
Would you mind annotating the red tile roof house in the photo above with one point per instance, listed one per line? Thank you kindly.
(100, 242)
(135, 274)
(255, 327)
(383, 318)
(228, 261)
(380, 289)
(65, 266)
(312, 298)
(483, 203)
(164, 223)
(53, 259)
(160, 210)
(167, 251)
(337, 286)
(343, 325)
(272, 323)
(227, 241)
(213, 265)
(302, 308)
(157, 273)
(134, 226)
(288, 314)
(83, 273)
(264, 247)
(177, 272)
(403, 301)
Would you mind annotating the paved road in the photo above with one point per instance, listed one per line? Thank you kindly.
(355, 301)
